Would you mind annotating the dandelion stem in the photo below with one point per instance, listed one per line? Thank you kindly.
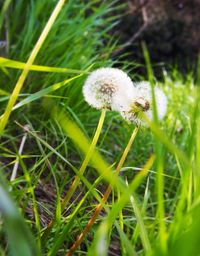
(104, 198)
(81, 170)
(86, 160)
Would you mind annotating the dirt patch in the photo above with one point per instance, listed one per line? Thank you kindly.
(170, 28)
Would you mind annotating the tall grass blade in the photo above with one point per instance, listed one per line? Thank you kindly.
(30, 61)
(4, 62)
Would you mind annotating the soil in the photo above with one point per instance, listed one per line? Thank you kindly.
(170, 28)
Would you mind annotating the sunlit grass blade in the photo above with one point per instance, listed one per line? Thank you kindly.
(29, 62)
(4, 62)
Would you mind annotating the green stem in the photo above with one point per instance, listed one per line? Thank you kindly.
(105, 197)
(86, 160)
(81, 170)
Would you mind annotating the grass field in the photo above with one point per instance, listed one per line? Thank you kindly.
(58, 155)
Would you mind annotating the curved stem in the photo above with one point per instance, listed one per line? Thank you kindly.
(86, 160)
(81, 171)
(105, 197)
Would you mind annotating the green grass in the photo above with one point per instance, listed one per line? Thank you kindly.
(155, 201)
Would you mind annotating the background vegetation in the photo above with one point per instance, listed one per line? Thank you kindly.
(148, 213)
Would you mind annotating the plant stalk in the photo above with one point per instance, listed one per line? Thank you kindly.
(82, 169)
(104, 198)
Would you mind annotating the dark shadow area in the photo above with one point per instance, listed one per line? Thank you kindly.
(170, 28)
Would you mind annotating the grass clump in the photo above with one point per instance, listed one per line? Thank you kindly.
(151, 207)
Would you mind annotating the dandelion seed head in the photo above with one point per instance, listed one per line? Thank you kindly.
(102, 84)
(139, 102)
(142, 104)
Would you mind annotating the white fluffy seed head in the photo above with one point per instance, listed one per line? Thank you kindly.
(103, 84)
(139, 101)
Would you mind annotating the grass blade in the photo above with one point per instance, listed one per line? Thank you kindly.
(30, 61)
(4, 62)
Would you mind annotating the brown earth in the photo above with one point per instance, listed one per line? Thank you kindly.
(170, 28)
